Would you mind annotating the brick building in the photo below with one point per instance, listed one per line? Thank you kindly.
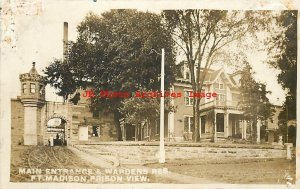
(221, 113)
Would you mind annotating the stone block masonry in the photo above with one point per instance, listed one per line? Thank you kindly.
(142, 154)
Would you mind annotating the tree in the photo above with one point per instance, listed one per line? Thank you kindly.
(283, 56)
(202, 34)
(60, 77)
(283, 50)
(137, 110)
(113, 52)
(254, 102)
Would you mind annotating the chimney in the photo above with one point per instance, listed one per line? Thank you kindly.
(65, 39)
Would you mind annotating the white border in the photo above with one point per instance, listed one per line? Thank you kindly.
(5, 109)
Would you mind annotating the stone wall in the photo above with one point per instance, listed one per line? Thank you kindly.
(17, 122)
(74, 115)
(148, 154)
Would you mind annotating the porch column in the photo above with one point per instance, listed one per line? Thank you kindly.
(235, 123)
(124, 133)
(242, 127)
(171, 126)
(200, 127)
(258, 131)
(226, 124)
(135, 133)
(245, 129)
(215, 126)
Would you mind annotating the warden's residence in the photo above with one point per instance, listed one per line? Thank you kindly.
(221, 114)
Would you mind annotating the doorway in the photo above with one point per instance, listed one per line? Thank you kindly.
(56, 132)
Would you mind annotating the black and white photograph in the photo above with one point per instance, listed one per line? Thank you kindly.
(143, 94)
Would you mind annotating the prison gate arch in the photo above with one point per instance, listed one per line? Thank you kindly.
(57, 116)
(63, 134)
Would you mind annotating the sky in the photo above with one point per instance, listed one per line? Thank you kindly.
(38, 36)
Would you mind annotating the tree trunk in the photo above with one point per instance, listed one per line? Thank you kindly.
(196, 120)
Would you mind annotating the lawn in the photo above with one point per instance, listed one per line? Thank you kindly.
(235, 171)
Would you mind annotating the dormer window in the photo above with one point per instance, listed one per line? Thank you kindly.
(32, 88)
(219, 85)
(24, 87)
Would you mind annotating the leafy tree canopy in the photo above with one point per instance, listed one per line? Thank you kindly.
(113, 52)
(283, 53)
(254, 101)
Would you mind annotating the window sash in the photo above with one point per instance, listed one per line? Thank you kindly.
(188, 124)
(32, 88)
(188, 101)
(221, 97)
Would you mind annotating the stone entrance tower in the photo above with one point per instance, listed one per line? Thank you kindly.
(33, 98)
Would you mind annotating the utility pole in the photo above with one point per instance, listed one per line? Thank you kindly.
(162, 156)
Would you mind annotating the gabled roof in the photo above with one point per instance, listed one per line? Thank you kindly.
(213, 75)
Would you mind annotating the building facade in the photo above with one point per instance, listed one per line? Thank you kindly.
(220, 116)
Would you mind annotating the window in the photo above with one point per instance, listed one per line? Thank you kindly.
(188, 100)
(188, 124)
(221, 86)
(221, 97)
(24, 88)
(32, 88)
(96, 131)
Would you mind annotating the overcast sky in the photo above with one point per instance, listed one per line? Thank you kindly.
(39, 38)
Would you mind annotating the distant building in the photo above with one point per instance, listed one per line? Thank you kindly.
(273, 125)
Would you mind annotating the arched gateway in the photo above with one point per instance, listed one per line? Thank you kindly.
(57, 130)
